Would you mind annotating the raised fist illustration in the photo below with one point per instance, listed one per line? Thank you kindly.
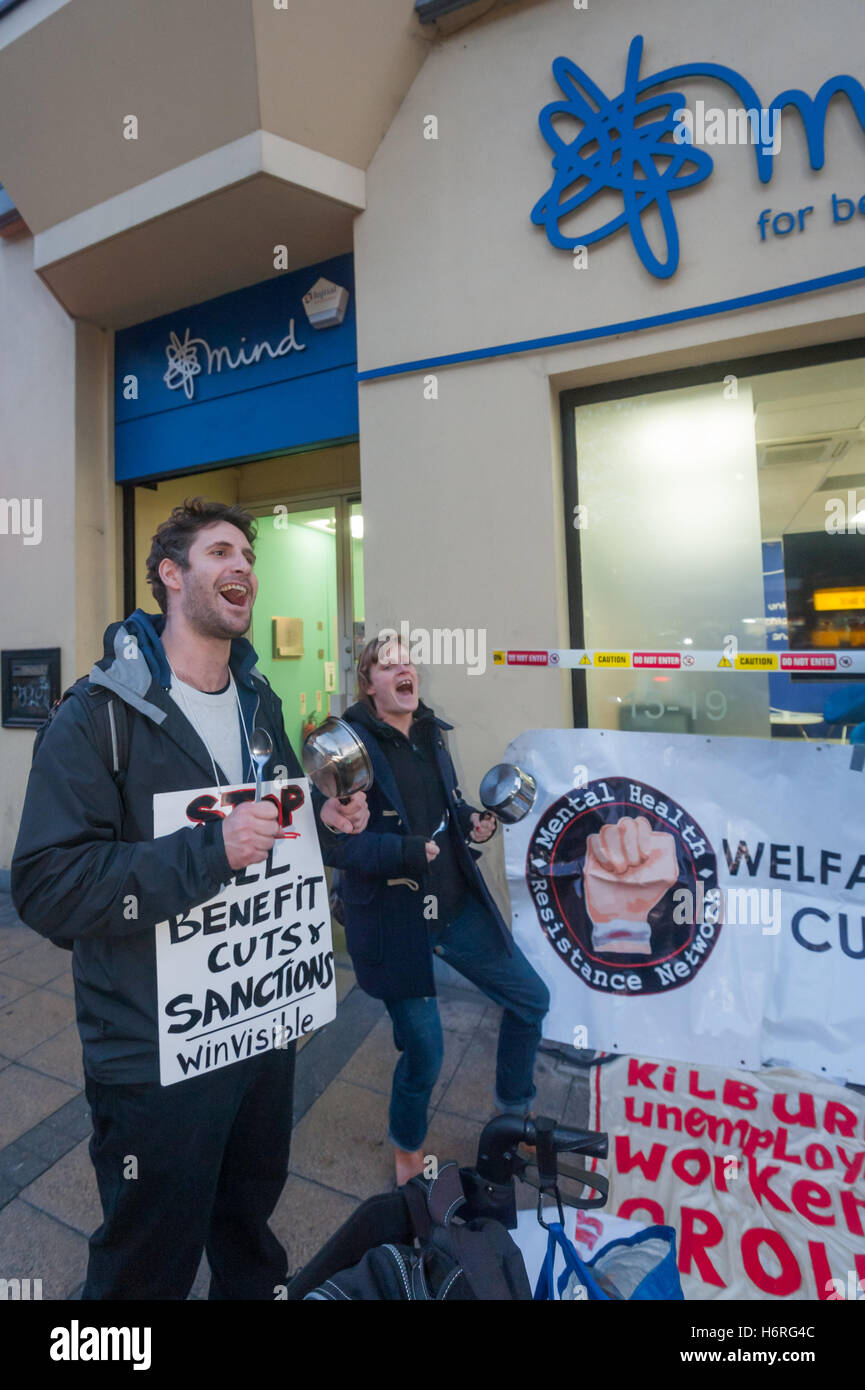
(629, 867)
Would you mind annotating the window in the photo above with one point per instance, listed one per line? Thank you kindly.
(727, 503)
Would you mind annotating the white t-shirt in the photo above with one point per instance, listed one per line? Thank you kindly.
(214, 716)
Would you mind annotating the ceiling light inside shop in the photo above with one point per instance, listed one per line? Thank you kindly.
(323, 524)
(357, 527)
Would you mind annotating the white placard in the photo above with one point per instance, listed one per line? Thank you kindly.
(738, 938)
(252, 968)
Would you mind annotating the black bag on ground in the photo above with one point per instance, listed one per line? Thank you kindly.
(428, 1251)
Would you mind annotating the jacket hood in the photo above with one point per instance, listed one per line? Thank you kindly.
(134, 661)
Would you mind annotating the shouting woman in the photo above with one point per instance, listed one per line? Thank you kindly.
(411, 886)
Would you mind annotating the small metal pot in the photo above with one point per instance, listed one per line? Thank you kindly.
(508, 792)
(335, 760)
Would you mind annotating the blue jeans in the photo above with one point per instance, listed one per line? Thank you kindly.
(472, 944)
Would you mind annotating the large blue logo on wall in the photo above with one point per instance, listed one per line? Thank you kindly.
(263, 370)
(629, 146)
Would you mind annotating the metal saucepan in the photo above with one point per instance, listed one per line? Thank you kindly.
(335, 760)
(508, 792)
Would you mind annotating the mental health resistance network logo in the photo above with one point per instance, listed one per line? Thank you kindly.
(606, 868)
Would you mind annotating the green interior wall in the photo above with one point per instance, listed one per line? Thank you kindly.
(296, 568)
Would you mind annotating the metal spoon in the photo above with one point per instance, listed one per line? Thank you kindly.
(260, 748)
(442, 824)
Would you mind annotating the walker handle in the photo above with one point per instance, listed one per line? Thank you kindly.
(498, 1160)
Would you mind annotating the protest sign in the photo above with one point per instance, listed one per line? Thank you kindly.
(251, 968)
(761, 1175)
(704, 894)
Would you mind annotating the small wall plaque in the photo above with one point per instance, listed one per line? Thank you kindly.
(287, 637)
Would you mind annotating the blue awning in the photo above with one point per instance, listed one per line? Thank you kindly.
(254, 372)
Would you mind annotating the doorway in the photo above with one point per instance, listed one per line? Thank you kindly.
(308, 621)
(309, 561)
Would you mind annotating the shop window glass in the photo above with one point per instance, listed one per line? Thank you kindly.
(725, 510)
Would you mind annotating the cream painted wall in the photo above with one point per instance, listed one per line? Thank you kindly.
(447, 257)
(37, 460)
(462, 520)
(98, 521)
(186, 71)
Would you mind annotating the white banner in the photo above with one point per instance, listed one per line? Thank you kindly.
(700, 897)
(762, 1176)
(252, 968)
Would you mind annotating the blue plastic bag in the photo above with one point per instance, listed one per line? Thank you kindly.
(641, 1266)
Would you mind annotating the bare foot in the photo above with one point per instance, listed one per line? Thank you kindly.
(408, 1164)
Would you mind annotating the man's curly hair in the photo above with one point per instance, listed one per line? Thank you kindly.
(174, 537)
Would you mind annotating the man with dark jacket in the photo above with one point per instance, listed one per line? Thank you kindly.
(200, 1164)
(411, 886)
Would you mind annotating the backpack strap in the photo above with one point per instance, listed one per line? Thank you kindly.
(109, 718)
(111, 722)
(434, 1202)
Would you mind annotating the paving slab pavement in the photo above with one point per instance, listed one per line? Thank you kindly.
(49, 1204)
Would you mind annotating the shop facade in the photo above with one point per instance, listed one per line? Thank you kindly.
(640, 401)
(594, 384)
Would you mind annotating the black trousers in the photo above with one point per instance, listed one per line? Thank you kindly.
(198, 1166)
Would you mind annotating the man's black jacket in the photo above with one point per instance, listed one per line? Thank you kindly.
(86, 867)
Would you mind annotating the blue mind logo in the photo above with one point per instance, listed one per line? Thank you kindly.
(635, 147)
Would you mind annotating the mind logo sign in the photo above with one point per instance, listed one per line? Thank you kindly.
(608, 867)
(636, 149)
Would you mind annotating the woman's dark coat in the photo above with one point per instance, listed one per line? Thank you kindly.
(382, 882)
